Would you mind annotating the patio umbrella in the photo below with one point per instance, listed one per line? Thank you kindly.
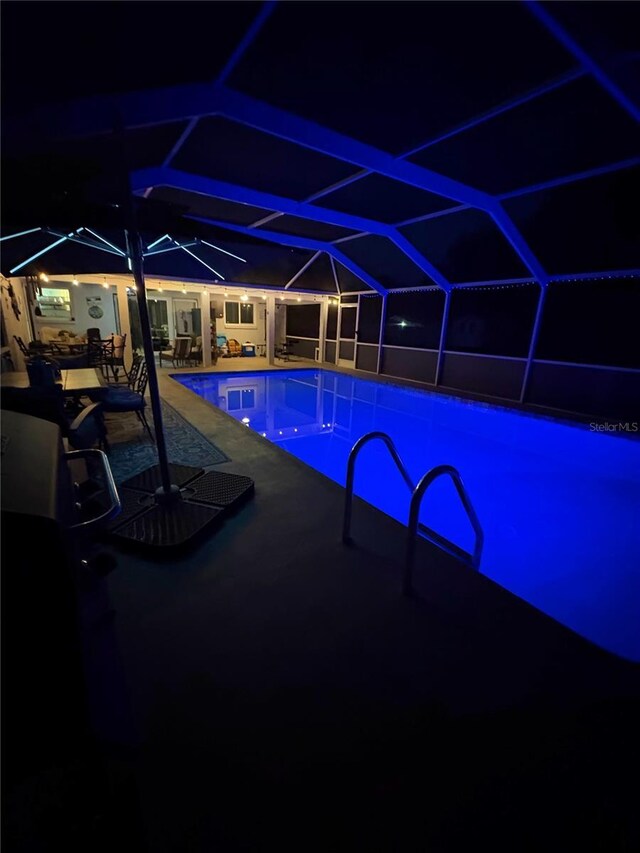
(89, 210)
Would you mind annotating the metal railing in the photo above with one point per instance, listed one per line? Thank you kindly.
(417, 494)
(414, 511)
(114, 499)
(351, 466)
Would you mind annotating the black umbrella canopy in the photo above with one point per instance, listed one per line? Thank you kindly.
(85, 186)
(224, 256)
(59, 189)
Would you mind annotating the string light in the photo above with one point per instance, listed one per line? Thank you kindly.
(75, 281)
(43, 276)
(106, 284)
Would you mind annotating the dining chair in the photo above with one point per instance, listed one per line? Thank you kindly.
(113, 356)
(129, 398)
(180, 352)
(22, 346)
(195, 356)
(34, 348)
(95, 350)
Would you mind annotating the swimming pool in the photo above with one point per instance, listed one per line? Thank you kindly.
(559, 503)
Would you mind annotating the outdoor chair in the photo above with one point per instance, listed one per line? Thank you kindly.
(113, 357)
(82, 431)
(34, 348)
(22, 347)
(283, 351)
(64, 361)
(129, 398)
(95, 350)
(195, 356)
(180, 352)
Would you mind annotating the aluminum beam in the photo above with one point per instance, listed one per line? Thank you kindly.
(584, 58)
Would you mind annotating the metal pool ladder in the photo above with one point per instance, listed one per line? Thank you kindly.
(417, 493)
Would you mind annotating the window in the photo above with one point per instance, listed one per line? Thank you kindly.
(54, 303)
(239, 314)
(241, 398)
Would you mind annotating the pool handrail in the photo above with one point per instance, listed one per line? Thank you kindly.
(414, 512)
(351, 465)
(417, 494)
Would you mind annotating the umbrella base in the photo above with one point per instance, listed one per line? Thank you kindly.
(162, 529)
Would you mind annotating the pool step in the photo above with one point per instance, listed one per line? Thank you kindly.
(446, 545)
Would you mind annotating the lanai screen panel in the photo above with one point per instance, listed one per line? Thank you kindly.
(395, 75)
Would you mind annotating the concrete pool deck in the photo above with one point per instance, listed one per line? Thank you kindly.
(284, 694)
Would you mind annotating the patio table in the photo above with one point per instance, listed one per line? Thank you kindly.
(76, 382)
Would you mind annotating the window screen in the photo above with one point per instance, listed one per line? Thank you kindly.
(332, 321)
(591, 322)
(303, 321)
(369, 319)
(492, 321)
(414, 319)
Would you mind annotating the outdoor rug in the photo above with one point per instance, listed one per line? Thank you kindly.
(131, 450)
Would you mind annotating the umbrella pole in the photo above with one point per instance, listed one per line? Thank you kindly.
(167, 492)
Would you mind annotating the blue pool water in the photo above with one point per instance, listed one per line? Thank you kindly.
(559, 503)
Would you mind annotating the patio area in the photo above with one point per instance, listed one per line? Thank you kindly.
(293, 675)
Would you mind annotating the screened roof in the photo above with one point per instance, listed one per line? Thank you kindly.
(344, 146)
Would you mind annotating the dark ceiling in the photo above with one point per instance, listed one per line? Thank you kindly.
(351, 112)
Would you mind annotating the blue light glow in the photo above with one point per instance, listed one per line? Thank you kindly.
(215, 272)
(38, 254)
(106, 242)
(159, 240)
(169, 249)
(224, 251)
(19, 234)
(559, 503)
